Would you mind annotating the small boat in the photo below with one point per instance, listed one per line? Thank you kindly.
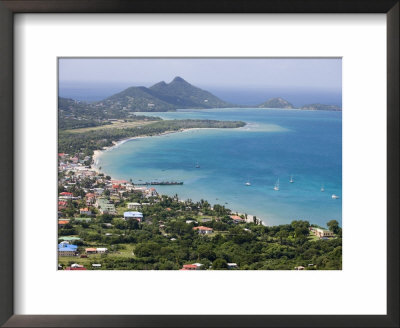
(291, 179)
(335, 196)
(197, 166)
(322, 188)
(248, 183)
(276, 187)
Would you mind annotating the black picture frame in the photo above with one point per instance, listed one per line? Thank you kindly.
(10, 7)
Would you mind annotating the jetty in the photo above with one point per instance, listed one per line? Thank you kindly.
(159, 183)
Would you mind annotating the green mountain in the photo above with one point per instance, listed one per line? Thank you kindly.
(136, 99)
(184, 95)
(162, 97)
(321, 107)
(276, 103)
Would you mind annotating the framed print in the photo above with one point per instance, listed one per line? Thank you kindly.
(256, 149)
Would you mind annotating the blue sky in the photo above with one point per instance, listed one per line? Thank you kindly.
(259, 77)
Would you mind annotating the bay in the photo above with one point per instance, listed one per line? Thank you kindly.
(275, 144)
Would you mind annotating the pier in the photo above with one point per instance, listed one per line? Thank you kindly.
(161, 183)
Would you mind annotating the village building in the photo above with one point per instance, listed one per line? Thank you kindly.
(90, 250)
(101, 250)
(105, 206)
(98, 191)
(237, 219)
(66, 195)
(134, 206)
(189, 267)
(194, 266)
(232, 265)
(90, 199)
(62, 223)
(76, 265)
(198, 265)
(203, 230)
(322, 233)
(69, 239)
(151, 192)
(62, 204)
(67, 250)
(133, 215)
(85, 211)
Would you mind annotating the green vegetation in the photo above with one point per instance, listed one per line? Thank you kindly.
(276, 103)
(163, 97)
(166, 238)
(87, 142)
(165, 241)
(74, 114)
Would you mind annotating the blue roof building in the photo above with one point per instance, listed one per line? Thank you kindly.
(67, 248)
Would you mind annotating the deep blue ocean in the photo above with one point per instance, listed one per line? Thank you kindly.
(274, 145)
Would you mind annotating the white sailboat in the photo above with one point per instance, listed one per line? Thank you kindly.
(197, 165)
(335, 196)
(291, 179)
(276, 187)
(248, 183)
(322, 188)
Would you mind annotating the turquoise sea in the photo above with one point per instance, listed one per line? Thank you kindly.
(275, 144)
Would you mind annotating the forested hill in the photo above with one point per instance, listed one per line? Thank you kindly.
(276, 103)
(163, 97)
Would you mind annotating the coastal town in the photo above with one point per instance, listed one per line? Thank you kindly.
(108, 224)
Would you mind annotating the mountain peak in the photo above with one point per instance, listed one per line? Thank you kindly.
(159, 84)
(178, 79)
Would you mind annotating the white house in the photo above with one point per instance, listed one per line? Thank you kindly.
(134, 206)
(101, 250)
(203, 230)
(133, 215)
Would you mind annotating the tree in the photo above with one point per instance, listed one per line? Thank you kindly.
(333, 226)
(205, 251)
(282, 234)
(220, 264)
(132, 224)
(119, 223)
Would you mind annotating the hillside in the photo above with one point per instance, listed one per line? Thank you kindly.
(162, 97)
(276, 103)
(184, 95)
